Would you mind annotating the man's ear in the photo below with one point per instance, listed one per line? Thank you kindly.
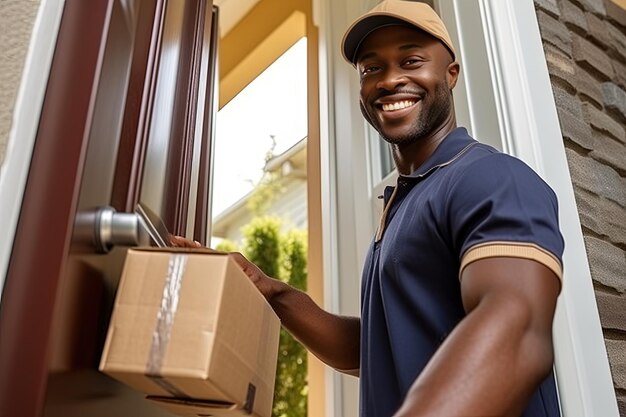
(452, 74)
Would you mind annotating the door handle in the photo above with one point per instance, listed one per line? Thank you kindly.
(101, 229)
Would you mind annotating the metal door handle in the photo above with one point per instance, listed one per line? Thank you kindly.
(103, 228)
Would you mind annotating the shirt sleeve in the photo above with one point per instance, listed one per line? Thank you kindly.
(499, 207)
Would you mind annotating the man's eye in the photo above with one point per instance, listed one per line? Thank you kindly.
(412, 61)
(369, 69)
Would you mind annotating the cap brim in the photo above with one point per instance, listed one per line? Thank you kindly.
(360, 29)
(356, 34)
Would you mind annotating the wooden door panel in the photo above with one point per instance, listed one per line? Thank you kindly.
(94, 142)
(183, 99)
(139, 105)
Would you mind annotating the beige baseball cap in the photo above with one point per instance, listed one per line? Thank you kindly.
(394, 12)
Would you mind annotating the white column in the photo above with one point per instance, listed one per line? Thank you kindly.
(345, 185)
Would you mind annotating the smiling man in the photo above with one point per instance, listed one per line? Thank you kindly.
(461, 280)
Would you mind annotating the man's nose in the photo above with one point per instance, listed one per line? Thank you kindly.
(391, 79)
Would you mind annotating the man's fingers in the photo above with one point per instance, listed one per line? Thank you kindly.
(258, 277)
(247, 266)
(182, 242)
(251, 270)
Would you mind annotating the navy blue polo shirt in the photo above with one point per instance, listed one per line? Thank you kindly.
(468, 201)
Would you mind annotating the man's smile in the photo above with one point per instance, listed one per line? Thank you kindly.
(398, 105)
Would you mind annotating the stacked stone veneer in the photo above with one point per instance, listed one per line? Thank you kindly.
(585, 47)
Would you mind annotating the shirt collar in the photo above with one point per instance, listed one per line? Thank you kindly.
(452, 147)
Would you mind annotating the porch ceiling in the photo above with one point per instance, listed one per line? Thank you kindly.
(232, 11)
(254, 33)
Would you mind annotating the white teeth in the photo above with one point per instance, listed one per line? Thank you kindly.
(398, 105)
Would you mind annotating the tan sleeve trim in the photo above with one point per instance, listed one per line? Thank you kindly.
(512, 250)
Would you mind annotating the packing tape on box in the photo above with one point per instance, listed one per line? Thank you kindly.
(165, 321)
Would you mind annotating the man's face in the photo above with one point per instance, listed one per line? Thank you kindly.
(406, 81)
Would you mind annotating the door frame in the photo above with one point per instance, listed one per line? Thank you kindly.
(43, 233)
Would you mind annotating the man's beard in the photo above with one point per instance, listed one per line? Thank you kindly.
(433, 114)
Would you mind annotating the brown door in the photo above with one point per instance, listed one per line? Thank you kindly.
(127, 117)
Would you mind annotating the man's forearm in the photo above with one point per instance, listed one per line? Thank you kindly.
(332, 338)
(489, 366)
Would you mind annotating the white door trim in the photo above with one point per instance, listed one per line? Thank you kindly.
(529, 122)
(25, 121)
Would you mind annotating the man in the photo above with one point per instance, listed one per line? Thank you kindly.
(461, 280)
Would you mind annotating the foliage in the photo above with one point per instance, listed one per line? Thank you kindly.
(227, 246)
(262, 244)
(294, 250)
(268, 189)
(291, 391)
(283, 257)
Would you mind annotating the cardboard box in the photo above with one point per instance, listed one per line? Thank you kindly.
(189, 324)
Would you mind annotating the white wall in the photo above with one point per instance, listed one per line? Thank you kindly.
(290, 206)
(26, 83)
(17, 18)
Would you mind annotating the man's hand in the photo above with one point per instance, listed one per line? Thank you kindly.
(334, 339)
(269, 287)
(183, 242)
(266, 285)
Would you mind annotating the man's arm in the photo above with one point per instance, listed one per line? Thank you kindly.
(500, 352)
(334, 339)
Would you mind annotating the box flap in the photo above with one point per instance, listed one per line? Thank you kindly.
(191, 402)
(179, 250)
(197, 408)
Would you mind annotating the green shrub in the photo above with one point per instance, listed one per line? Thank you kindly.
(227, 246)
(262, 244)
(283, 257)
(290, 397)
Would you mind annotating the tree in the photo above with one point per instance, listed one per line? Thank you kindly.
(267, 190)
(262, 244)
(227, 245)
(290, 395)
(282, 256)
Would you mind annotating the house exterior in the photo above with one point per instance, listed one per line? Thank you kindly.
(585, 48)
(544, 80)
(285, 200)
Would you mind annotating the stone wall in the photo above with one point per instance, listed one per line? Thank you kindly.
(585, 46)
(16, 24)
